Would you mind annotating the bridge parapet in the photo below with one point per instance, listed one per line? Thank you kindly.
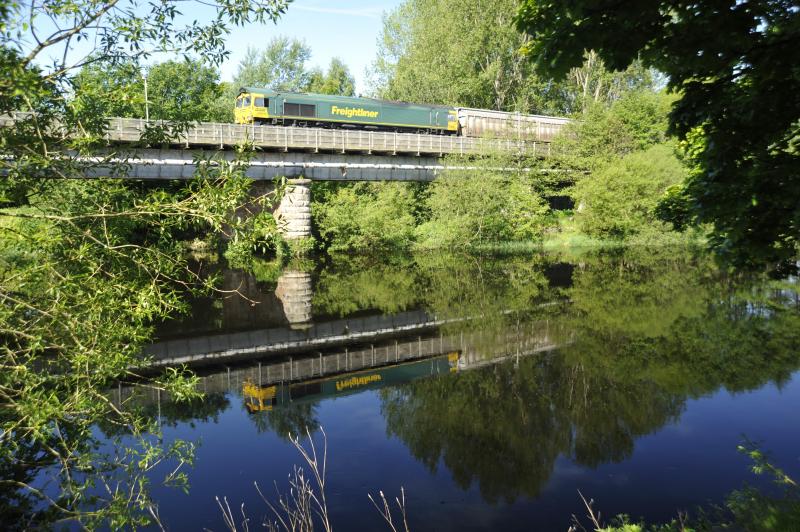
(279, 138)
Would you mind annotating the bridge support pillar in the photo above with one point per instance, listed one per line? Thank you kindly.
(295, 293)
(294, 212)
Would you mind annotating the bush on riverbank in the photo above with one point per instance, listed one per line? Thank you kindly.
(482, 205)
(365, 216)
(619, 199)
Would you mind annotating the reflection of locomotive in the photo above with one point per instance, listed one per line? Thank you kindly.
(266, 106)
(264, 398)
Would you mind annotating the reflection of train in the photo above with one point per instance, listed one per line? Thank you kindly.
(266, 106)
(264, 398)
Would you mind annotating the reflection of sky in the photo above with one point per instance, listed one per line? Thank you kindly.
(678, 467)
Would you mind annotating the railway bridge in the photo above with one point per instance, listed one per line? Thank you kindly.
(301, 154)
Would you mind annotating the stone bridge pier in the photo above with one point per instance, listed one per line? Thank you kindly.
(295, 291)
(294, 211)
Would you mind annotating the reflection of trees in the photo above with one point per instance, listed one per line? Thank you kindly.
(350, 284)
(168, 412)
(504, 426)
(459, 285)
(453, 285)
(647, 332)
(21, 509)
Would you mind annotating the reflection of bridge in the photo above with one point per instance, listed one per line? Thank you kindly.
(284, 325)
(284, 340)
(374, 348)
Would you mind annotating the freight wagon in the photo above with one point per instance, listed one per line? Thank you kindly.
(265, 106)
(488, 123)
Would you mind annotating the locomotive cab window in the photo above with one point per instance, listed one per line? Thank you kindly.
(299, 109)
(261, 101)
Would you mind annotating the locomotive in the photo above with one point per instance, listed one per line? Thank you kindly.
(265, 106)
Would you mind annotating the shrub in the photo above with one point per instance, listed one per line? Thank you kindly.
(365, 216)
(474, 207)
(619, 199)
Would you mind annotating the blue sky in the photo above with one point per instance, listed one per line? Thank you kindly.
(346, 29)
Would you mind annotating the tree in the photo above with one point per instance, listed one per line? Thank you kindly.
(635, 121)
(484, 205)
(338, 80)
(619, 200)
(456, 53)
(468, 53)
(280, 66)
(110, 90)
(184, 90)
(734, 65)
(86, 267)
(366, 217)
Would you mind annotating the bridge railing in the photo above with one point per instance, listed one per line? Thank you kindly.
(327, 140)
(219, 135)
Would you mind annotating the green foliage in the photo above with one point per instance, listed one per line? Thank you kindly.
(604, 133)
(354, 283)
(745, 509)
(636, 335)
(455, 52)
(619, 200)
(254, 233)
(79, 297)
(467, 53)
(338, 80)
(300, 247)
(724, 62)
(483, 204)
(185, 90)
(366, 216)
(280, 66)
(754, 510)
(110, 90)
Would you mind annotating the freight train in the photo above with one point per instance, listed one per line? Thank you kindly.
(265, 106)
(265, 398)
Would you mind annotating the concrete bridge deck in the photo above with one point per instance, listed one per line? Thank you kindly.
(292, 152)
(228, 347)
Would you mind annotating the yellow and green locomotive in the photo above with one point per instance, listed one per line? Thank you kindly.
(266, 106)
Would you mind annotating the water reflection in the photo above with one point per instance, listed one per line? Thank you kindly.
(497, 368)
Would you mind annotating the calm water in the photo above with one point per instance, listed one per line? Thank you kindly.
(491, 390)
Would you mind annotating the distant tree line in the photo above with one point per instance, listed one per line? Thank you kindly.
(190, 89)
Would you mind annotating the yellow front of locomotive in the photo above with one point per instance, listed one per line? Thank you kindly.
(250, 108)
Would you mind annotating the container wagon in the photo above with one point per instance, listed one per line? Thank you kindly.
(487, 123)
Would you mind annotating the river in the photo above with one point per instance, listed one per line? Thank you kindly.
(490, 389)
